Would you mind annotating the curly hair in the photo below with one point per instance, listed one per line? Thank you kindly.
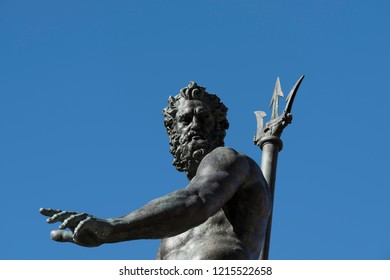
(195, 92)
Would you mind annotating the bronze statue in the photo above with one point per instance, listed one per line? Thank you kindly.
(221, 214)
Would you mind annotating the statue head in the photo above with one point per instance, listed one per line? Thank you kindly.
(196, 123)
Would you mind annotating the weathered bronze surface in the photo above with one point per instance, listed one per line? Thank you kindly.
(221, 214)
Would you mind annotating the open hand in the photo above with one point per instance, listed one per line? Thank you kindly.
(84, 229)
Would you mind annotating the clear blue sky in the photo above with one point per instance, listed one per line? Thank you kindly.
(83, 83)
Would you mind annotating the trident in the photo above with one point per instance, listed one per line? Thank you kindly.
(268, 139)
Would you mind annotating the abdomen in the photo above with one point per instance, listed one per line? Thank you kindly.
(215, 239)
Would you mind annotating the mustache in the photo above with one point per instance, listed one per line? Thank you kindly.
(192, 135)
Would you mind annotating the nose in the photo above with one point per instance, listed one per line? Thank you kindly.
(195, 124)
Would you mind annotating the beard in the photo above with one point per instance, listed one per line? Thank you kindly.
(189, 150)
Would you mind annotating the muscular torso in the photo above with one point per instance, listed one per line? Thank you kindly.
(235, 232)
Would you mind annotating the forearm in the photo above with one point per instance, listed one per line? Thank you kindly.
(163, 217)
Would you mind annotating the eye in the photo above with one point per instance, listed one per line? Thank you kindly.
(204, 117)
(185, 119)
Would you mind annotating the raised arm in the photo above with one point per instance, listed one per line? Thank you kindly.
(217, 179)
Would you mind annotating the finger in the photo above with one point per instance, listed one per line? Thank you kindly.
(61, 236)
(85, 233)
(73, 221)
(49, 212)
(82, 226)
(60, 217)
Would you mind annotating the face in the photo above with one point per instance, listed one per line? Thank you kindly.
(195, 121)
(194, 135)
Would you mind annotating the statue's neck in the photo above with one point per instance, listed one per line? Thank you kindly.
(192, 172)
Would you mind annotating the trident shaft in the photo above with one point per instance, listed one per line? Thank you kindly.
(268, 139)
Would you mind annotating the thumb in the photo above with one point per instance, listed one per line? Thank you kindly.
(61, 236)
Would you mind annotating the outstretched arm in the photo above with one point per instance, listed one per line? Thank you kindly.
(218, 177)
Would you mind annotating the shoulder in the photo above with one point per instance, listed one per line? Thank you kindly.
(228, 153)
(225, 151)
(225, 154)
(227, 158)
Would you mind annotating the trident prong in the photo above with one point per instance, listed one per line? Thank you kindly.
(260, 116)
(291, 96)
(275, 99)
